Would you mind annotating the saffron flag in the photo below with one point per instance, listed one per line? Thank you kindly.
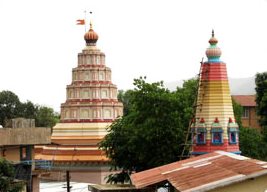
(80, 22)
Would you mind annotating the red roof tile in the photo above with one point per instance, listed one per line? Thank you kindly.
(204, 172)
(245, 100)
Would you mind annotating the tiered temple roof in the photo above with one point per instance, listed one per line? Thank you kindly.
(91, 106)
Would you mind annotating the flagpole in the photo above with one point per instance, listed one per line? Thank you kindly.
(85, 21)
(90, 18)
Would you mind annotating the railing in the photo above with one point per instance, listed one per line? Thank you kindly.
(39, 164)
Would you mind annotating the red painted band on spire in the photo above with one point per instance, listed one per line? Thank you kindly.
(213, 71)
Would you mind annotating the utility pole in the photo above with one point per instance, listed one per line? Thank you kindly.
(68, 180)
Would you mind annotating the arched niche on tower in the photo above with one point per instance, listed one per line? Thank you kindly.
(200, 132)
(233, 131)
(84, 113)
(107, 113)
(104, 93)
(216, 132)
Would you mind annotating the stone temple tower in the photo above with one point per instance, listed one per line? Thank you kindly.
(90, 107)
(214, 126)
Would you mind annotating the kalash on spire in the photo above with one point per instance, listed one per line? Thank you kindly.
(91, 36)
(214, 126)
(90, 107)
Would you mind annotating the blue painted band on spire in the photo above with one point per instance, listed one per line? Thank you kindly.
(214, 60)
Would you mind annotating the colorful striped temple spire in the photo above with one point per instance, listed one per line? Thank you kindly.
(214, 127)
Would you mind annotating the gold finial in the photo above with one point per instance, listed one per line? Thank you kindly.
(91, 25)
(212, 34)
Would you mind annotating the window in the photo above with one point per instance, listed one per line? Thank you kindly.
(245, 112)
(217, 136)
(201, 135)
(25, 153)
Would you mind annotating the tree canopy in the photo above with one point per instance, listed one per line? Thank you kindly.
(12, 107)
(261, 98)
(251, 140)
(9, 106)
(252, 143)
(152, 131)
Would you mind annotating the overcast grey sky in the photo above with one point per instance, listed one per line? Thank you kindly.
(164, 40)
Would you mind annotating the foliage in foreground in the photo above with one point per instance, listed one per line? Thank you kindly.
(152, 131)
(252, 143)
(251, 140)
(7, 173)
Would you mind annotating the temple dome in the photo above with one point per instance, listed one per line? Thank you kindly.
(213, 52)
(90, 36)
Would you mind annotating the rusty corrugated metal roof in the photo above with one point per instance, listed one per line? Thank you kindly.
(203, 173)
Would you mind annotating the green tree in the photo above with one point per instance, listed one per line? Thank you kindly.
(238, 111)
(252, 143)
(7, 174)
(124, 97)
(27, 110)
(46, 117)
(261, 99)
(9, 106)
(152, 131)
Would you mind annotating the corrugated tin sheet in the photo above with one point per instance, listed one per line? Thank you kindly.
(203, 172)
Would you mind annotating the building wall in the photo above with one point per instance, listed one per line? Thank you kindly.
(252, 185)
(96, 177)
(252, 119)
(11, 153)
